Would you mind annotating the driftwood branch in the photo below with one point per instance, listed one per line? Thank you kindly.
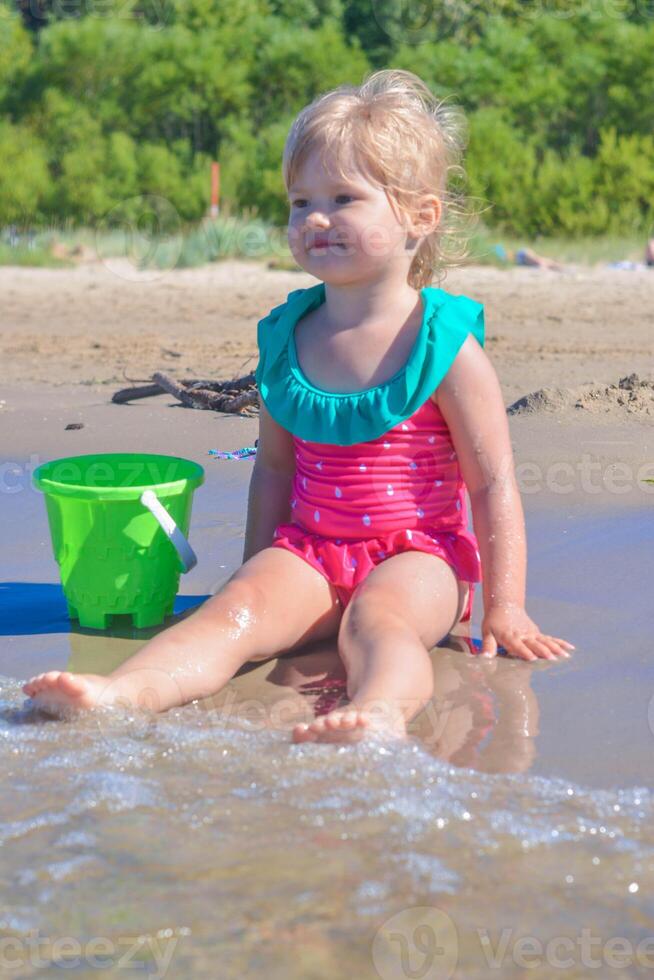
(239, 396)
(131, 394)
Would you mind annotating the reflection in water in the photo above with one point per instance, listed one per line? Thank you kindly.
(483, 714)
(489, 711)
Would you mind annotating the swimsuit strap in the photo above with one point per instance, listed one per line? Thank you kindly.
(344, 419)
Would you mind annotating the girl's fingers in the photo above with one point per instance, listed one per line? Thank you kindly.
(553, 645)
(535, 648)
(538, 648)
(518, 648)
(556, 646)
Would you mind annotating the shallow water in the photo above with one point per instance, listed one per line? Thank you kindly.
(222, 844)
(510, 835)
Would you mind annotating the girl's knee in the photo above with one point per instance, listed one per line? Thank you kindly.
(374, 600)
(238, 597)
(368, 613)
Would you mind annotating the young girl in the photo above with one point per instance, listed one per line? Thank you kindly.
(379, 409)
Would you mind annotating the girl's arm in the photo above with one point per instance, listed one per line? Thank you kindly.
(269, 498)
(470, 400)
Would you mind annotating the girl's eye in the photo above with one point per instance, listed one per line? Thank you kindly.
(301, 202)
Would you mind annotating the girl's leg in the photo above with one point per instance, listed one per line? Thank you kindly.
(403, 608)
(274, 602)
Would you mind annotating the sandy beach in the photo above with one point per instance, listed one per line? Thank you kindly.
(560, 341)
(99, 322)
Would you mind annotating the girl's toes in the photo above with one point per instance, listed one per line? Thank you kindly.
(61, 689)
(350, 719)
(37, 683)
(337, 726)
(303, 733)
(338, 719)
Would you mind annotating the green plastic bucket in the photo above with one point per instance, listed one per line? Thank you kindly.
(118, 523)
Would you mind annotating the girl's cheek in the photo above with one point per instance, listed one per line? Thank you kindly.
(294, 236)
(296, 226)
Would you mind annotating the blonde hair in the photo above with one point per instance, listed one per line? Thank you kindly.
(404, 140)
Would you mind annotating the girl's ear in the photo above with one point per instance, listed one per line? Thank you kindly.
(427, 217)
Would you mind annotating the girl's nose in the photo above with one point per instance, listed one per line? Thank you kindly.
(317, 220)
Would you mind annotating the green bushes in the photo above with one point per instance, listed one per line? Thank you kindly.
(100, 110)
(24, 178)
(531, 193)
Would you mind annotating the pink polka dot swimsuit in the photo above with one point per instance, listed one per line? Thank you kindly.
(355, 506)
(357, 502)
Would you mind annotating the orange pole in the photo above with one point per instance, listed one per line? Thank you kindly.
(215, 188)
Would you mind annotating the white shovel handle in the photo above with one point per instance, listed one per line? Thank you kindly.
(187, 556)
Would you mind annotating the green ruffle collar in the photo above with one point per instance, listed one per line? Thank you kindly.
(346, 418)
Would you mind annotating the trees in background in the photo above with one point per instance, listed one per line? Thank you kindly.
(104, 100)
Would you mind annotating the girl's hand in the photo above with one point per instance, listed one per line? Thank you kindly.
(511, 627)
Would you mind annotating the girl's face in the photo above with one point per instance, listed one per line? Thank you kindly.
(344, 230)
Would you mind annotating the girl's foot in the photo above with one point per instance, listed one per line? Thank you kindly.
(59, 690)
(351, 724)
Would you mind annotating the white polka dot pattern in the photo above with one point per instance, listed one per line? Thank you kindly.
(407, 478)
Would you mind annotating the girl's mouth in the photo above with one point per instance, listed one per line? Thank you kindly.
(325, 245)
